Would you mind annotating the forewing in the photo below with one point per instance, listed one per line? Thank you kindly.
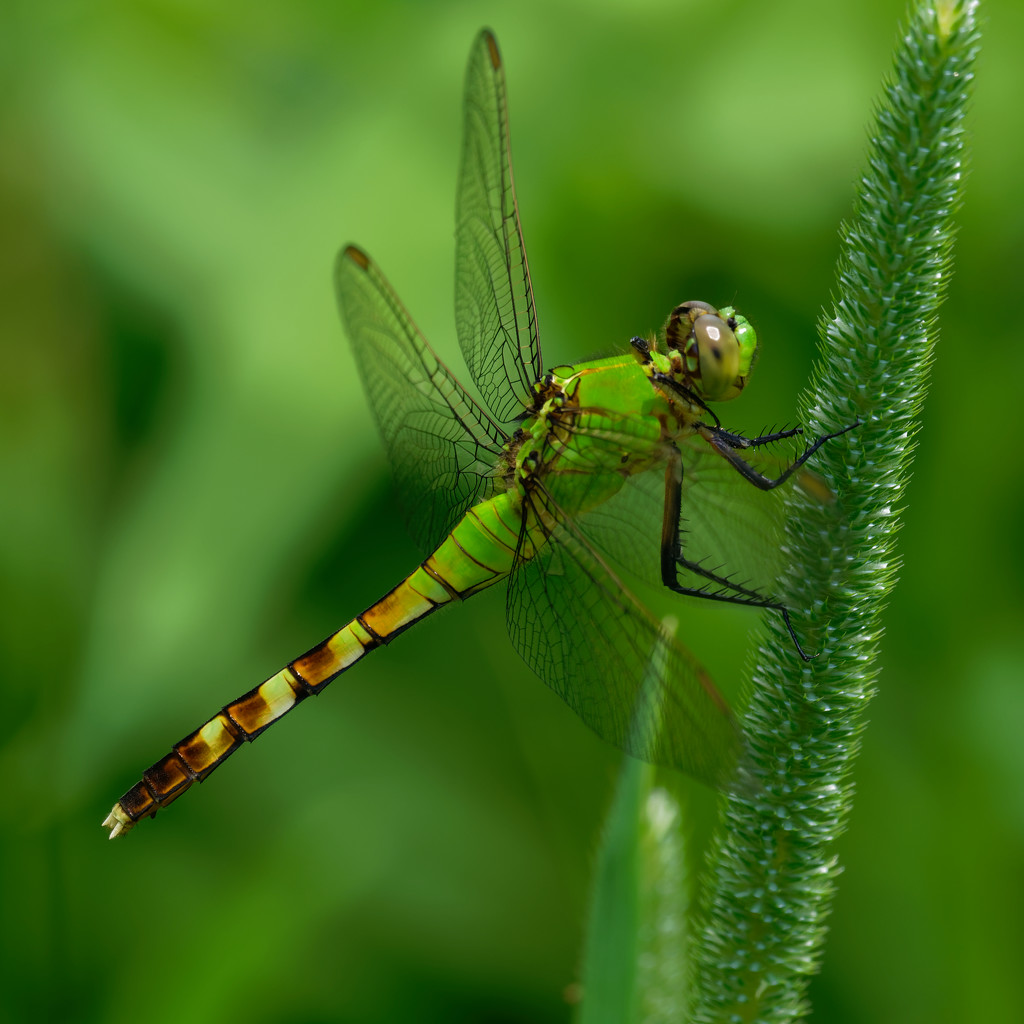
(494, 309)
(595, 644)
(443, 447)
(728, 525)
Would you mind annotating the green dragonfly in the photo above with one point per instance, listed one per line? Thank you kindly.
(562, 483)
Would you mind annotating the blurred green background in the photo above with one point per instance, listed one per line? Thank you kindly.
(193, 493)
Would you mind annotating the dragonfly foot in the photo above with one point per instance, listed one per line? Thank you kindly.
(792, 634)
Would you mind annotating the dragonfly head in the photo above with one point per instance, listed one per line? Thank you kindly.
(712, 350)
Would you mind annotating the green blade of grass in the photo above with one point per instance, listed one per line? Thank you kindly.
(773, 865)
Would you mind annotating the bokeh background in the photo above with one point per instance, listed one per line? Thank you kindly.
(192, 492)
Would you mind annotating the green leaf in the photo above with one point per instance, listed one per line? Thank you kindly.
(635, 962)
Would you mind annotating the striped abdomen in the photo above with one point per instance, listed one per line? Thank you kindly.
(477, 553)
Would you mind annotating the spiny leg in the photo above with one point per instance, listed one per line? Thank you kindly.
(672, 558)
(729, 446)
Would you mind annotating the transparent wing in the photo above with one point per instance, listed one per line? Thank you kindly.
(443, 447)
(727, 524)
(494, 310)
(595, 644)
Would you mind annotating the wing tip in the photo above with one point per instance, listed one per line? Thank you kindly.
(488, 38)
(356, 255)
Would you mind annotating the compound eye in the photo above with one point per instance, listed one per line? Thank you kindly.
(696, 306)
(719, 355)
(679, 328)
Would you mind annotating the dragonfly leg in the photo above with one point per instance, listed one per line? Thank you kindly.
(673, 558)
(729, 446)
(739, 441)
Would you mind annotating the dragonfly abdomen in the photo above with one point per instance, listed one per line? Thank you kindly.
(476, 554)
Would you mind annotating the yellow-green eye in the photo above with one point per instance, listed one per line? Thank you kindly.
(718, 349)
(719, 355)
(731, 355)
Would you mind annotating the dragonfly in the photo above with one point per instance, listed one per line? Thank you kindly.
(564, 484)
